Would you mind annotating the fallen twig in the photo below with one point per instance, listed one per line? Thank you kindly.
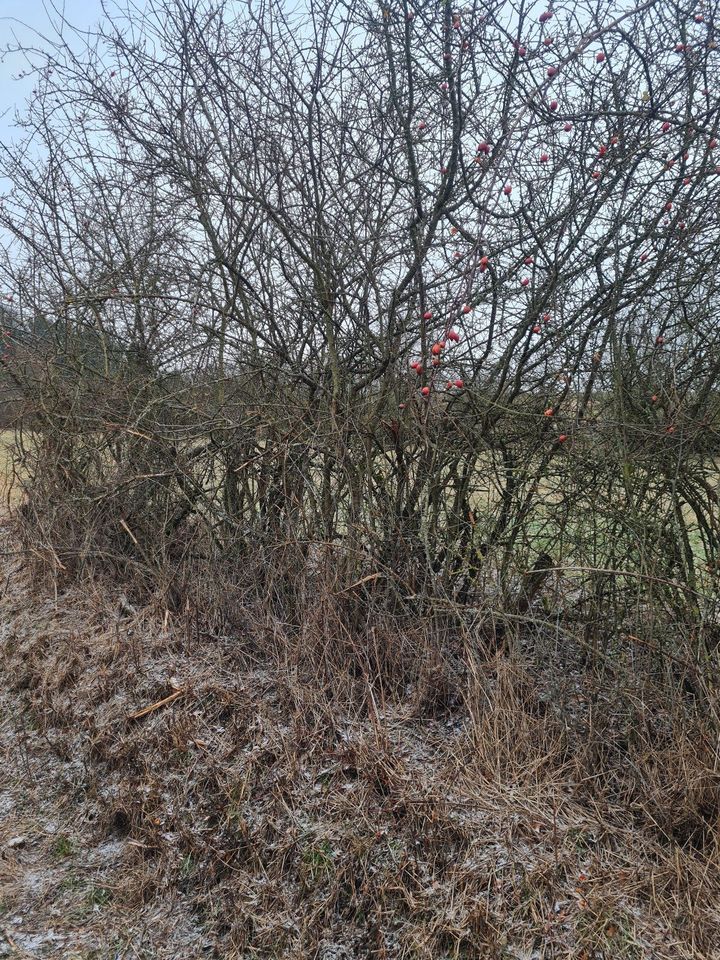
(155, 706)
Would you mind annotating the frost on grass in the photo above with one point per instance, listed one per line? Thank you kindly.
(257, 815)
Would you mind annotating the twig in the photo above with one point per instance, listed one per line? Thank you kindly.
(359, 583)
(155, 706)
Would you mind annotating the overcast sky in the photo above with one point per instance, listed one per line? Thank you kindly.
(24, 19)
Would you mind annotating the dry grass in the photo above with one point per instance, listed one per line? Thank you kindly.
(510, 804)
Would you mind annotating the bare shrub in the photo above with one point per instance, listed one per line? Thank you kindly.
(384, 340)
